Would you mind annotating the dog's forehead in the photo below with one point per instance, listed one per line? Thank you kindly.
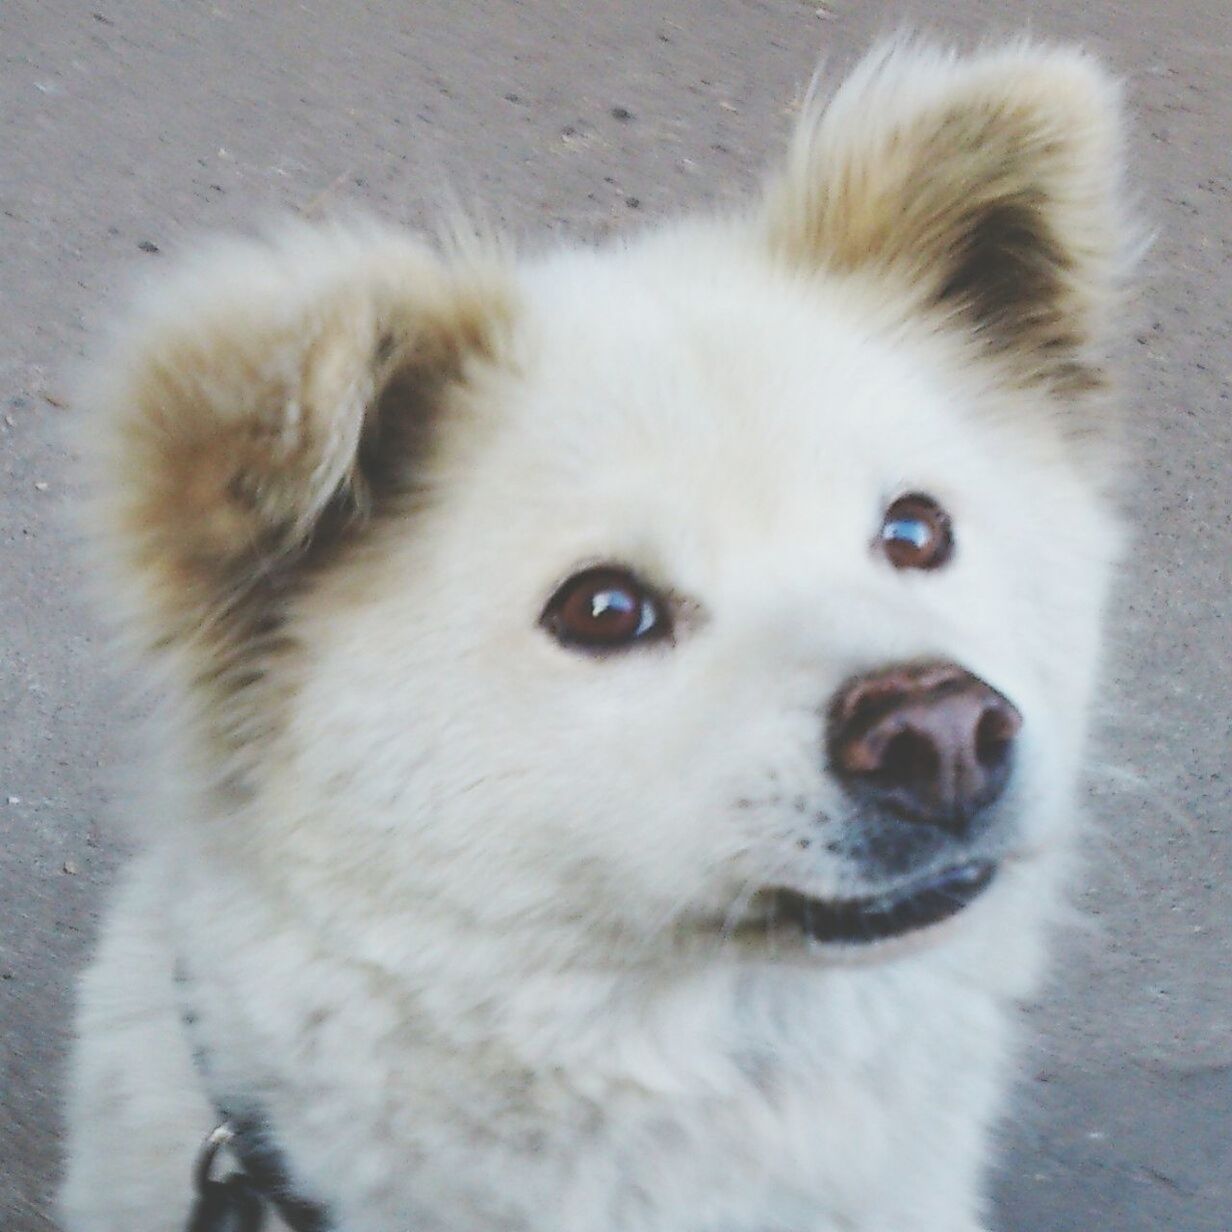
(725, 378)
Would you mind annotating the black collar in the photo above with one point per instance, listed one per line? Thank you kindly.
(238, 1202)
(263, 1165)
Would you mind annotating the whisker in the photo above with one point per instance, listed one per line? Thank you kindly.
(738, 908)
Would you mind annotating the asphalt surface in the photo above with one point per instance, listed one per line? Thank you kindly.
(128, 127)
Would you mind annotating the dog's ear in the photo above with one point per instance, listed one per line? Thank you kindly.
(265, 404)
(986, 189)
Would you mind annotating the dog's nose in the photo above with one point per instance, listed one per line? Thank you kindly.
(930, 743)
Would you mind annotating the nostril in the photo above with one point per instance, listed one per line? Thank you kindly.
(994, 735)
(908, 758)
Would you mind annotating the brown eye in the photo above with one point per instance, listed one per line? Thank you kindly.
(916, 533)
(605, 608)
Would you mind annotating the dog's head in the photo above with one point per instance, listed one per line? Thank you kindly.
(742, 582)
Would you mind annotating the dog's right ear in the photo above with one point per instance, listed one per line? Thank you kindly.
(265, 404)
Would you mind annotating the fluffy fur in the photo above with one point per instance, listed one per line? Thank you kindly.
(458, 907)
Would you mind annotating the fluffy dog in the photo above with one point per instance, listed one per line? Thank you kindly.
(624, 707)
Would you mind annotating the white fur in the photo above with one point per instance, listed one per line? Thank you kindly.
(461, 931)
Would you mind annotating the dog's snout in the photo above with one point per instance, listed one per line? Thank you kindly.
(930, 743)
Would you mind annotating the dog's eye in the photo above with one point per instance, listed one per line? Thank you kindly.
(605, 608)
(916, 533)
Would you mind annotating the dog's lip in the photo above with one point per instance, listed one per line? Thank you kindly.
(908, 908)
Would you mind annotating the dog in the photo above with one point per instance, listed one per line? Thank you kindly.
(622, 709)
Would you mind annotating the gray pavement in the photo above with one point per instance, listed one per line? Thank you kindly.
(127, 127)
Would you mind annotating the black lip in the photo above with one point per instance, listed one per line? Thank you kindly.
(858, 921)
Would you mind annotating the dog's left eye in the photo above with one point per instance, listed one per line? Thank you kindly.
(916, 533)
(605, 608)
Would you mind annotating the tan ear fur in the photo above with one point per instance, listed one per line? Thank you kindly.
(259, 410)
(987, 189)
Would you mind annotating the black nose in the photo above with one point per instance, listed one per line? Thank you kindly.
(928, 743)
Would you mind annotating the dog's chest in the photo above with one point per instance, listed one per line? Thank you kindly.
(709, 1119)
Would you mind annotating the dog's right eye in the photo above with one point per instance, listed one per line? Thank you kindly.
(605, 608)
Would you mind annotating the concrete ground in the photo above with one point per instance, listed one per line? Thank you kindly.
(128, 127)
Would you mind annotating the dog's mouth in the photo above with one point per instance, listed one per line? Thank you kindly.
(861, 921)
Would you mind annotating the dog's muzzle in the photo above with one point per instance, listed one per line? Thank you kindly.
(922, 752)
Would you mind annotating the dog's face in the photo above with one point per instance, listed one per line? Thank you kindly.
(721, 590)
(742, 584)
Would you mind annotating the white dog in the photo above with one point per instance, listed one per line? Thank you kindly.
(625, 707)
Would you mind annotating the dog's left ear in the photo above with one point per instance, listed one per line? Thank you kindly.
(986, 189)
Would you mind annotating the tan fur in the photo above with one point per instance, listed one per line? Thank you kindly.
(989, 190)
(234, 456)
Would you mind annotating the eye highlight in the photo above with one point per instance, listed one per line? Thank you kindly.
(605, 608)
(916, 533)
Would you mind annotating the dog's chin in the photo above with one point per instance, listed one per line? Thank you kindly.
(899, 920)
